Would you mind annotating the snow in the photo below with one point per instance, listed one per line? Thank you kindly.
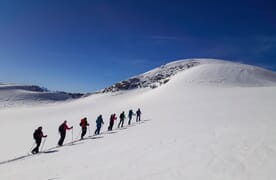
(225, 73)
(12, 95)
(194, 127)
(200, 71)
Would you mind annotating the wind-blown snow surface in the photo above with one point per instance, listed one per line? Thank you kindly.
(190, 132)
(225, 73)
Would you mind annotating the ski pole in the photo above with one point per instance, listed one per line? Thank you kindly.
(72, 134)
(32, 147)
(89, 131)
(79, 135)
(44, 140)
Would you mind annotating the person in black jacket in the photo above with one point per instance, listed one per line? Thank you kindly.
(138, 115)
(122, 119)
(38, 135)
(62, 130)
(130, 114)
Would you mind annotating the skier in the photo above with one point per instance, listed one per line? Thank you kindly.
(122, 119)
(130, 113)
(138, 115)
(83, 125)
(111, 121)
(62, 130)
(99, 123)
(38, 135)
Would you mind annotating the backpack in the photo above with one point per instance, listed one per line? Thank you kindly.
(98, 121)
(122, 116)
(83, 122)
(61, 128)
(36, 134)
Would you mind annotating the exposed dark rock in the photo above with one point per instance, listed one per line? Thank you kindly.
(151, 79)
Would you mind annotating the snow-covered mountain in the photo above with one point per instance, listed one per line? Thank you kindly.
(212, 121)
(19, 95)
(197, 72)
(200, 71)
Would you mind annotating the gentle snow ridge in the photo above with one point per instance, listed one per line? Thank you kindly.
(201, 71)
(225, 73)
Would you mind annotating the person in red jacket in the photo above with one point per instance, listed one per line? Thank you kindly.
(111, 121)
(38, 135)
(83, 125)
(62, 130)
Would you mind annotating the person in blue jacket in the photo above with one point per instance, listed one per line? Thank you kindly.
(99, 123)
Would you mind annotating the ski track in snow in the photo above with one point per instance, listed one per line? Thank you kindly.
(72, 143)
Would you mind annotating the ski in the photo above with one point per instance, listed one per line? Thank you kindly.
(26, 156)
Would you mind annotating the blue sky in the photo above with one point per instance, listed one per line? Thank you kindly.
(85, 45)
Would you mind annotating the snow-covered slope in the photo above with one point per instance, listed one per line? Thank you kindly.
(189, 131)
(20, 95)
(201, 71)
(225, 73)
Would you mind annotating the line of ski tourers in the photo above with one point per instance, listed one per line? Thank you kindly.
(38, 134)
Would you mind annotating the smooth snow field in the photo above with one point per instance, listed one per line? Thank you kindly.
(192, 128)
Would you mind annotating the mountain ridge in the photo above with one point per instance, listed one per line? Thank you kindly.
(196, 71)
(162, 74)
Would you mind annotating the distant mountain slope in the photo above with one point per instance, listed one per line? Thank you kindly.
(15, 95)
(203, 71)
